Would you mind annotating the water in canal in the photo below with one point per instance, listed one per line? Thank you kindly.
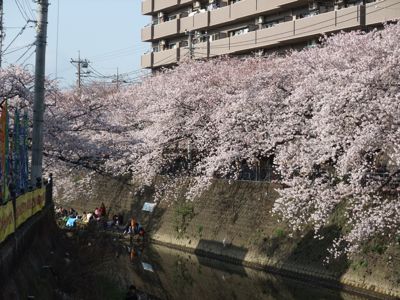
(165, 273)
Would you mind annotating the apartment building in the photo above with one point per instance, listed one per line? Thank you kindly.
(208, 28)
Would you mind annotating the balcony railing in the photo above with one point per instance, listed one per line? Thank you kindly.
(166, 29)
(163, 4)
(195, 22)
(167, 57)
(382, 11)
(295, 31)
(218, 16)
(147, 7)
(146, 60)
(147, 33)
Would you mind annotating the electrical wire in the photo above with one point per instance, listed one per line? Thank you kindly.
(270, 38)
(97, 73)
(21, 10)
(29, 56)
(27, 50)
(119, 55)
(29, 8)
(15, 38)
(18, 49)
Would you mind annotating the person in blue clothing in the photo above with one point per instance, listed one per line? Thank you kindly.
(138, 230)
(71, 221)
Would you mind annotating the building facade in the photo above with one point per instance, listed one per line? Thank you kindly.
(202, 29)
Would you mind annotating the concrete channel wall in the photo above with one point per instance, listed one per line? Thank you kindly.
(233, 222)
(14, 247)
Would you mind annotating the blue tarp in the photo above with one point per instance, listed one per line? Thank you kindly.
(71, 222)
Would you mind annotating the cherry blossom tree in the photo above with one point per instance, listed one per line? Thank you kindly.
(328, 116)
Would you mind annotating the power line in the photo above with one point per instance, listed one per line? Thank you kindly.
(118, 51)
(18, 49)
(119, 55)
(27, 50)
(18, 34)
(271, 38)
(80, 64)
(21, 10)
(29, 56)
(29, 8)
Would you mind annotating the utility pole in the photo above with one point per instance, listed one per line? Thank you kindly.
(80, 64)
(117, 79)
(79, 70)
(1, 31)
(38, 105)
(190, 43)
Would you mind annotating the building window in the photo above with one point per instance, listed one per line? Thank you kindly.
(239, 31)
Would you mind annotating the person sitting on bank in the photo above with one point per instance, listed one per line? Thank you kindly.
(115, 220)
(102, 210)
(84, 217)
(130, 226)
(138, 230)
(97, 213)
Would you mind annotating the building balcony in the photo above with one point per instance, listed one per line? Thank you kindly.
(160, 5)
(378, 12)
(263, 6)
(195, 22)
(146, 60)
(328, 22)
(166, 29)
(147, 7)
(285, 33)
(219, 47)
(220, 15)
(166, 57)
(147, 33)
(201, 50)
(274, 35)
(244, 8)
(289, 32)
(242, 42)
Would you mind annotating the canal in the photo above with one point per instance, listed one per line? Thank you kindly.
(164, 273)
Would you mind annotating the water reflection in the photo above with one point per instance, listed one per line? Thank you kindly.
(170, 274)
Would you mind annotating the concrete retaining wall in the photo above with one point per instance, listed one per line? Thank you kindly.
(234, 222)
(13, 248)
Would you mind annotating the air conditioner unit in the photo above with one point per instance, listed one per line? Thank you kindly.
(162, 43)
(160, 14)
(260, 20)
(196, 4)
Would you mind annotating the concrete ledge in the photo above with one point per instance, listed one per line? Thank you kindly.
(293, 272)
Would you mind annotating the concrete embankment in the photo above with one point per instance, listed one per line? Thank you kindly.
(233, 222)
(23, 255)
